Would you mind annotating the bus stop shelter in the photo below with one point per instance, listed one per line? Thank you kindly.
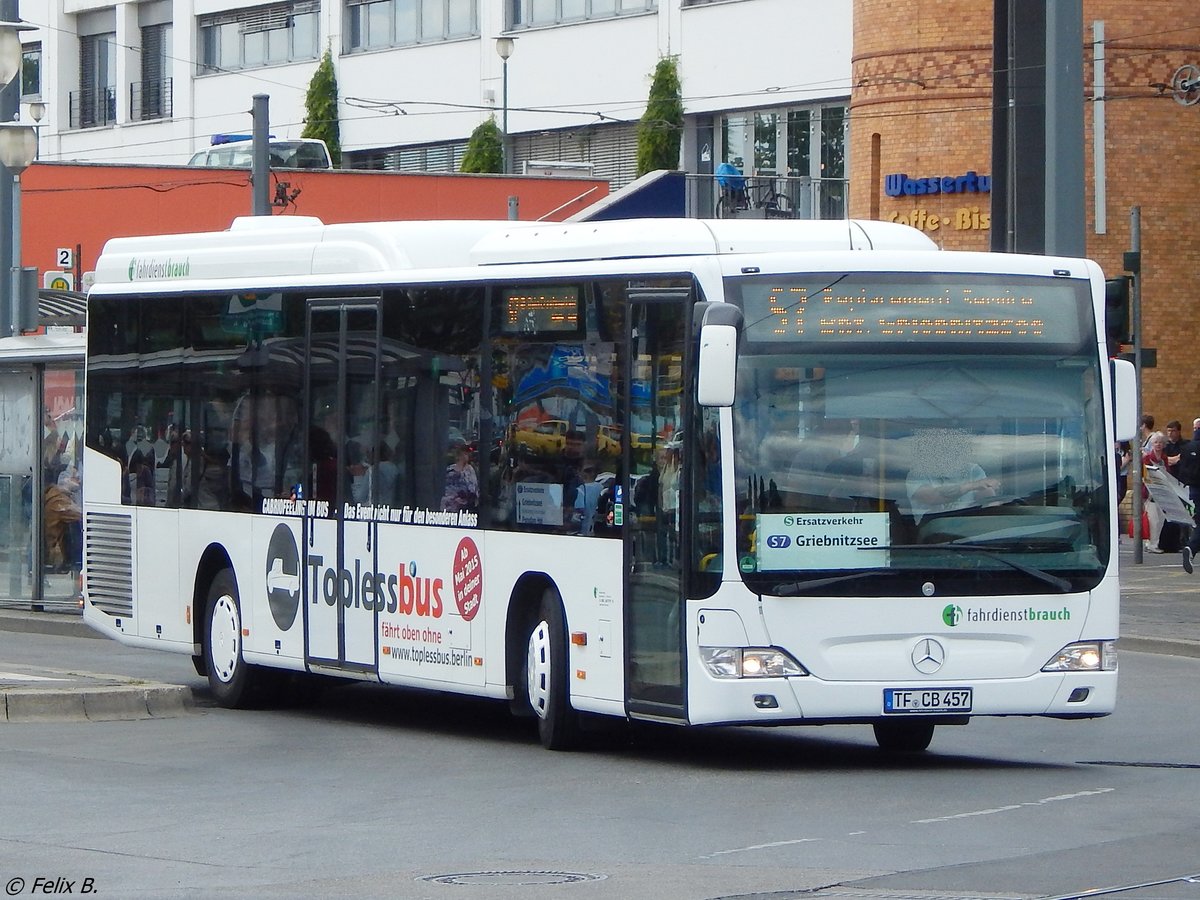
(41, 443)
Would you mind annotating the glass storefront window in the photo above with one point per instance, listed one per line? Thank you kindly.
(796, 154)
(59, 440)
(62, 473)
(833, 142)
(798, 142)
(733, 141)
(766, 127)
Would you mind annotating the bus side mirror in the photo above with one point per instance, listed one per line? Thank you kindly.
(717, 367)
(1125, 396)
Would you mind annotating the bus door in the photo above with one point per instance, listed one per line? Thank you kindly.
(341, 555)
(654, 419)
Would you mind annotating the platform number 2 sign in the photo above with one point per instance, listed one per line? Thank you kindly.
(66, 258)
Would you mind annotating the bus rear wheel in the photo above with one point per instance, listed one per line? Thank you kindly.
(546, 681)
(229, 677)
(903, 737)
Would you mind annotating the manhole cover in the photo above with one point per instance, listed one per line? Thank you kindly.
(514, 877)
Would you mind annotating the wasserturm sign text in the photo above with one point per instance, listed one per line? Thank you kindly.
(900, 185)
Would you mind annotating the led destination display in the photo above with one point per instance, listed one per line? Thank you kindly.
(885, 308)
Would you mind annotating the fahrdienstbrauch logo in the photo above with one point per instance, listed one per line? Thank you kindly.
(953, 615)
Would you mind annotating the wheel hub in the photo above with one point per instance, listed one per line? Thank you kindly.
(537, 669)
(226, 634)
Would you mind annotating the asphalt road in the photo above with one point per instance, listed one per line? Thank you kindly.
(378, 792)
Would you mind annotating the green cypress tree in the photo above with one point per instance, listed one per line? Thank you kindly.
(320, 109)
(661, 127)
(485, 149)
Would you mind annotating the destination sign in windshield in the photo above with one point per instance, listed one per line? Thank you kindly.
(539, 309)
(936, 309)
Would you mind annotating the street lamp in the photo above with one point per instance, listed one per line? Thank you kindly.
(505, 47)
(18, 146)
(37, 112)
(10, 50)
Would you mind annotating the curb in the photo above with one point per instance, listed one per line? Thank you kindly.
(57, 624)
(105, 703)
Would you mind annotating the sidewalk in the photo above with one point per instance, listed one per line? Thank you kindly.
(1160, 613)
(1160, 604)
(43, 694)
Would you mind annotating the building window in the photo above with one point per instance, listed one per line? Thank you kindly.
(528, 13)
(95, 103)
(31, 71)
(150, 98)
(259, 36)
(387, 23)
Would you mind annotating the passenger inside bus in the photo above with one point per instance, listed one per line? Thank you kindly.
(461, 490)
(263, 457)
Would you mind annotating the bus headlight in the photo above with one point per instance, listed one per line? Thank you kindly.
(749, 662)
(1086, 656)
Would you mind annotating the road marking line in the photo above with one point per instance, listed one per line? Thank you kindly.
(17, 676)
(758, 847)
(1012, 806)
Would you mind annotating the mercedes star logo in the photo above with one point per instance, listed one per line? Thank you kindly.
(928, 656)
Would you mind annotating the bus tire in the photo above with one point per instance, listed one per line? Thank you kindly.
(229, 676)
(546, 676)
(903, 737)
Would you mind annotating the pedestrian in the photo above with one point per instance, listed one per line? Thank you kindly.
(1155, 516)
(1189, 473)
(1146, 431)
(1174, 534)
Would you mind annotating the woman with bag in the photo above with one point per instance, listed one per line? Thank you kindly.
(1156, 457)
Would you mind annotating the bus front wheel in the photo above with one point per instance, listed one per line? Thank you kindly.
(903, 737)
(546, 676)
(229, 677)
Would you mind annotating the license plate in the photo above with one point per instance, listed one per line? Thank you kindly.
(926, 700)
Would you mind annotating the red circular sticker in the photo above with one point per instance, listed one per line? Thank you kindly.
(468, 579)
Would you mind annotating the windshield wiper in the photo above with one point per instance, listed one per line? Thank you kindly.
(801, 587)
(1053, 580)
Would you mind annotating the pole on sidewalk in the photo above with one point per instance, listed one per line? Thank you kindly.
(10, 107)
(260, 173)
(1135, 313)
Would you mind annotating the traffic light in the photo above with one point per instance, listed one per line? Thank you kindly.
(1116, 311)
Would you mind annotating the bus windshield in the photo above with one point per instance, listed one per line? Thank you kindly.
(894, 438)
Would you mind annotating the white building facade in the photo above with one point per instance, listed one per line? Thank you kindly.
(765, 83)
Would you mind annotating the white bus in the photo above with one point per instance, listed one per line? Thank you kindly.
(510, 460)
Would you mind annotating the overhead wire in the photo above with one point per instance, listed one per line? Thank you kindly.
(611, 110)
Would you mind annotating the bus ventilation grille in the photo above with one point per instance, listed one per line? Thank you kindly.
(109, 582)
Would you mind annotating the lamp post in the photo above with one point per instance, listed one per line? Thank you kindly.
(12, 147)
(18, 147)
(10, 105)
(505, 47)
